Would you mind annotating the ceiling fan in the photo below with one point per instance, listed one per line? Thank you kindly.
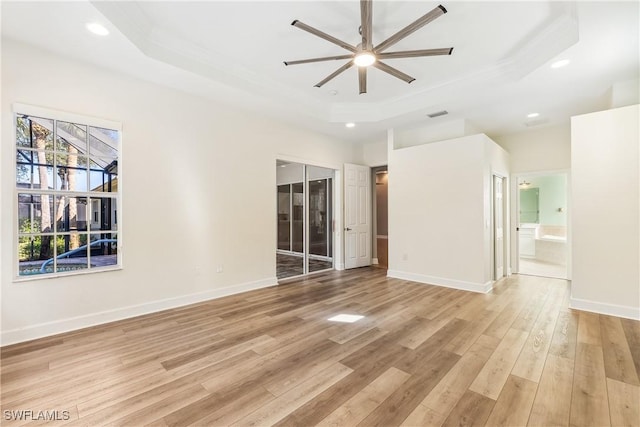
(365, 54)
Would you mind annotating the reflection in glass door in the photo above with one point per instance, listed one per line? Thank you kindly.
(297, 216)
(320, 218)
(290, 249)
(284, 214)
(305, 218)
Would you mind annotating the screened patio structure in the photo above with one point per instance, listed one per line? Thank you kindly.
(67, 182)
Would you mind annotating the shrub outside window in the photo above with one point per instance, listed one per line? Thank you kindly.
(67, 192)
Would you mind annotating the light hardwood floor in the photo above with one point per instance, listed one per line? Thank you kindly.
(421, 356)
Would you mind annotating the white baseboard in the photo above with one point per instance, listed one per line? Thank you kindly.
(374, 261)
(440, 281)
(339, 266)
(71, 324)
(624, 311)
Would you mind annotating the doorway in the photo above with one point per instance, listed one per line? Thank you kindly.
(380, 216)
(542, 229)
(304, 219)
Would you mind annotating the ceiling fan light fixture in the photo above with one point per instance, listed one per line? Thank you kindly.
(366, 54)
(97, 29)
(364, 59)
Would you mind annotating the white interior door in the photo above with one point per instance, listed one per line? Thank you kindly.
(498, 226)
(357, 216)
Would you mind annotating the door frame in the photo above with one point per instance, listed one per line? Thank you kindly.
(374, 212)
(506, 270)
(506, 220)
(515, 207)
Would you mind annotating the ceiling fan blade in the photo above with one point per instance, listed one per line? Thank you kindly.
(409, 29)
(395, 73)
(335, 73)
(323, 35)
(366, 14)
(326, 58)
(362, 79)
(416, 53)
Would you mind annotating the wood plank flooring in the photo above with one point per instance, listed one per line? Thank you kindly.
(421, 356)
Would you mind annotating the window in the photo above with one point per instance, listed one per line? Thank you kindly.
(67, 193)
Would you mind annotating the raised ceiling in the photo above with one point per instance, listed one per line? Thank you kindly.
(233, 51)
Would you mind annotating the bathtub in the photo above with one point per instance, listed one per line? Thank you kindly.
(551, 248)
(553, 238)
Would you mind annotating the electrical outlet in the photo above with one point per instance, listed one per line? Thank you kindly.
(219, 269)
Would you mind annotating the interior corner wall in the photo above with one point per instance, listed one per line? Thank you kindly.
(625, 93)
(439, 213)
(198, 191)
(375, 153)
(431, 132)
(605, 215)
(544, 149)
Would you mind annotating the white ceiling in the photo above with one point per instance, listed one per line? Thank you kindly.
(233, 51)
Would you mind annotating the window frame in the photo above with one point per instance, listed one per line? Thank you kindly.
(63, 116)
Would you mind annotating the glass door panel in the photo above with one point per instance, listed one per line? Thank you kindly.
(290, 256)
(320, 232)
(284, 217)
(297, 242)
(318, 218)
(304, 219)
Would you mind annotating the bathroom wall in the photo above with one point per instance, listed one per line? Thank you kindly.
(552, 196)
(553, 199)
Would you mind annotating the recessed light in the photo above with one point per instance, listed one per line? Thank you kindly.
(346, 318)
(350, 125)
(533, 115)
(560, 63)
(97, 29)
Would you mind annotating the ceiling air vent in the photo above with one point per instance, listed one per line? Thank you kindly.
(438, 114)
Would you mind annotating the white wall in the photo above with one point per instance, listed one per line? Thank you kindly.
(606, 212)
(199, 190)
(625, 93)
(544, 149)
(439, 211)
(374, 153)
(434, 130)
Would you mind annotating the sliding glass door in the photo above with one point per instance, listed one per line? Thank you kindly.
(305, 218)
